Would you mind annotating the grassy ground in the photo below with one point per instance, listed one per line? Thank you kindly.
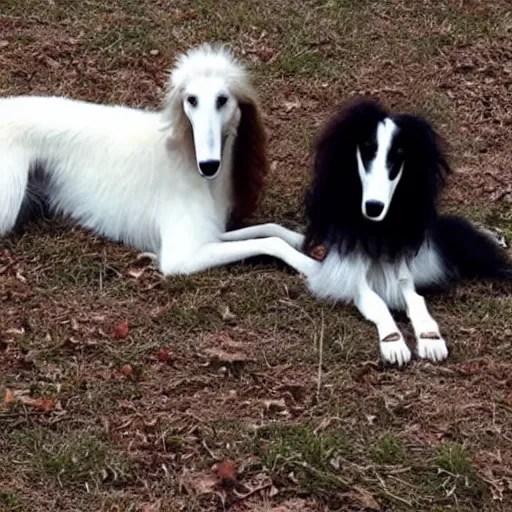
(225, 365)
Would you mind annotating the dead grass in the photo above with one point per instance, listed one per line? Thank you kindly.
(127, 429)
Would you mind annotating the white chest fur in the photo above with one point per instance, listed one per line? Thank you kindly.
(339, 278)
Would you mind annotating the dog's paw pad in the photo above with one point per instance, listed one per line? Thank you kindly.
(433, 348)
(146, 258)
(396, 351)
(394, 336)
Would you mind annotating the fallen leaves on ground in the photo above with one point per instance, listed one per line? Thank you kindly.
(217, 355)
(41, 404)
(164, 355)
(9, 398)
(318, 252)
(202, 483)
(121, 331)
(225, 350)
(226, 474)
(275, 406)
(366, 499)
(127, 370)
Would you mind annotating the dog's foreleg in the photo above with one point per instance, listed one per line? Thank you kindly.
(263, 231)
(393, 348)
(222, 253)
(430, 343)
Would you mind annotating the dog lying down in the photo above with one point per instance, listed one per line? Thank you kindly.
(372, 207)
(168, 182)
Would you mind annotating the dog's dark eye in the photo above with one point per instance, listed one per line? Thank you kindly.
(399, 151)
(221, 101)
(192, 100)
(369, 147)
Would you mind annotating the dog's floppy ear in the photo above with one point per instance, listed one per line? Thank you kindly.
(250, 164)
(426, 152)
(174, 119)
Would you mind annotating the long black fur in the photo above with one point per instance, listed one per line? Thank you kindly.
(333, 202)
(468, 252)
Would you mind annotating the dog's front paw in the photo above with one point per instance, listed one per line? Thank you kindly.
(432, 346)
(394, 350)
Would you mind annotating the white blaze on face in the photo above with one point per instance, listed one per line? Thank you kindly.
(209, 107)
(378, 188)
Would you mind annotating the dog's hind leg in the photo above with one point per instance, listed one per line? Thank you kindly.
(263, 231)
(430, 343)
(14, 169)
(393, 348)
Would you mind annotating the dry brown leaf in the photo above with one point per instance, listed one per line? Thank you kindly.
(9, 397)
(127, 370)
(265, 53)
(165, 356)
(366, 499)
(203, 483)
(41, 404)
(226, 473)
(217, 355)
(318, 252)
(275, 405)
(121, 331)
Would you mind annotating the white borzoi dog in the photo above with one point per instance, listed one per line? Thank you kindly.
(372, 205)
(167, 182)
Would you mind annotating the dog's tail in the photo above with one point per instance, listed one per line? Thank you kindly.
(470, 253)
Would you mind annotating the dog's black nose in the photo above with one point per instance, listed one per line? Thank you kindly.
(208, 168)
(373, 208)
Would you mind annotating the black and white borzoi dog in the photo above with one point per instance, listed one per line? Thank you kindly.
(372, 205)
(167, 182)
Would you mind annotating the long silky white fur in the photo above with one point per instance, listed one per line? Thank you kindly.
(131, 175)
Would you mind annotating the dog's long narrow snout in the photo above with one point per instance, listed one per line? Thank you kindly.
(208, 146)
(377, 187)
(377, 196)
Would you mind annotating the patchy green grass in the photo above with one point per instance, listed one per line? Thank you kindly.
(10, 501)
(80, 460)
(389, 450)
(456, 471)
(125, 37)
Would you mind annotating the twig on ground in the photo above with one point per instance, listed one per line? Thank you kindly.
(241, 497)
(320, 357)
